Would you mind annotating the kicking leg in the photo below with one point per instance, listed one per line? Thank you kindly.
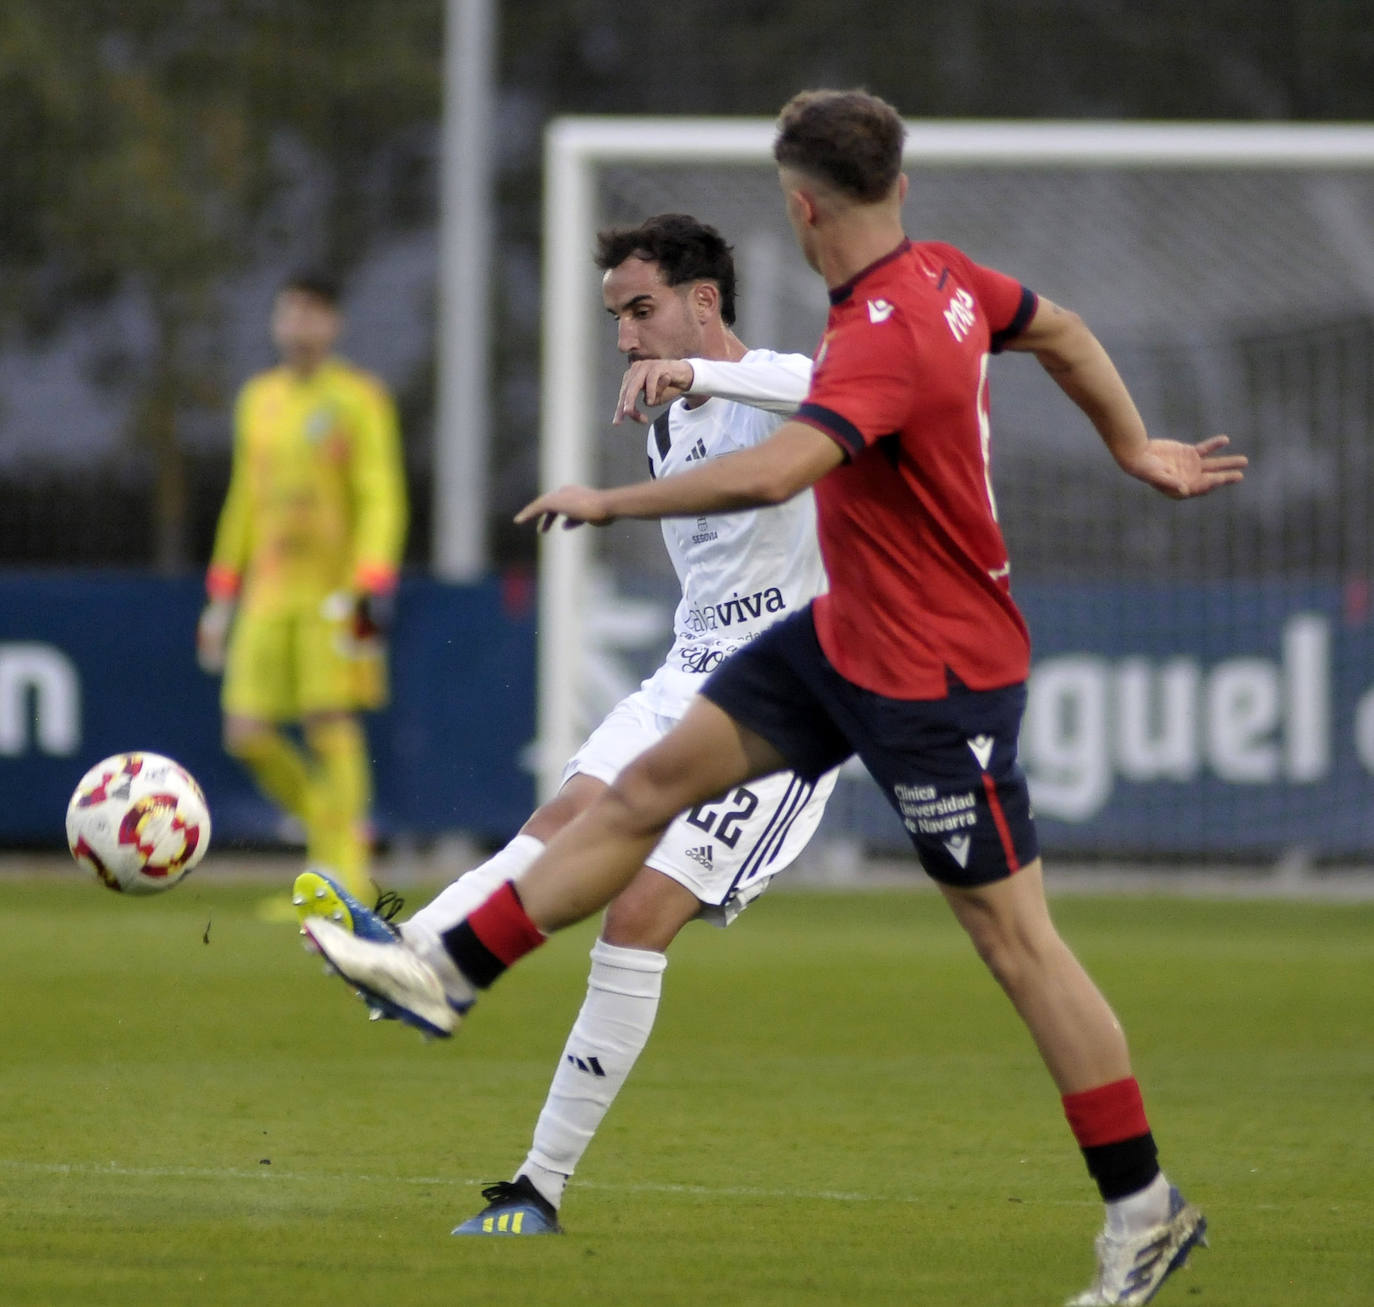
(582, 869)
(453, 903)
(589, 862)
(318, 895)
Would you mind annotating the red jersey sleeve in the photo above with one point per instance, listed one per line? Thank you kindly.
(1006, 303)
(862, 384)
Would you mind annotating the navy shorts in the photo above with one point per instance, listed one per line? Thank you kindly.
(947, 766)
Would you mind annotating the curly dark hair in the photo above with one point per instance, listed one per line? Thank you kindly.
(850, 139)
(686, 250)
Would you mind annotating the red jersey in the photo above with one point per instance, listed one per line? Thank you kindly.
(919, 588)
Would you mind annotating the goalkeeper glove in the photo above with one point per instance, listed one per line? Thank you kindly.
(212, 634)
(373, 615)
(364, 619)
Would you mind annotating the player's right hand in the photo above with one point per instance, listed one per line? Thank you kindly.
(659, 381)
(1184, 471)
(574, 504)
(212, 635)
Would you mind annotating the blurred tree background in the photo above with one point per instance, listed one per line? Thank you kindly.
(164, 163)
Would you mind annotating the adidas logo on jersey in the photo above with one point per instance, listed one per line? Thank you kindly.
(879, 310)
(697, 451)
(702, 854)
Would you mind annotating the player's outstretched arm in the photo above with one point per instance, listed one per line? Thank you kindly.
(1067, 349)
(775, 383)
(794, 457)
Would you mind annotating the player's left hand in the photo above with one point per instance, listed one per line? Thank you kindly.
(373, 614)
(1186, 471)
(576, 505)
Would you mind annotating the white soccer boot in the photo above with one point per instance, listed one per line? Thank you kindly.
(393, 976)
(1130, 1269)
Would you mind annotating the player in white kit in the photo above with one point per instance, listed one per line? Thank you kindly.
(670, 286)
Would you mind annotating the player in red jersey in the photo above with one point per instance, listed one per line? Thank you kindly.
(915, 660)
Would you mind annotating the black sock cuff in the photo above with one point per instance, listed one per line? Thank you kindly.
(1124, 1167)
(475, 960)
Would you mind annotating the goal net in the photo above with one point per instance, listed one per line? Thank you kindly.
(1203, 676)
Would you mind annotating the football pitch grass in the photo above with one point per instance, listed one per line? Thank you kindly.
(837, 1107)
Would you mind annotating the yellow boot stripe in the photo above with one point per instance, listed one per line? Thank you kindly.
(506, 1223)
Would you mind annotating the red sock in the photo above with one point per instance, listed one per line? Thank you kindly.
(1107, 1114)
(494, 935)
(1111, 1128)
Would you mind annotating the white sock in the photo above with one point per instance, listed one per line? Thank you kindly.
(424, 931)
(1140, 1211)
(447, 908)
(607, 1038)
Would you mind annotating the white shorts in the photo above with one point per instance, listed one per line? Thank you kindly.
(724, 852)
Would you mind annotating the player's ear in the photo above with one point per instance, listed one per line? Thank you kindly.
(903, 185)
(801, 206)
(705, 299)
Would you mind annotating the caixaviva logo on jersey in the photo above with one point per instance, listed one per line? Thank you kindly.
(736, 610)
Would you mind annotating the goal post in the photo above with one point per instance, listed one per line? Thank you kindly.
(1191, 660)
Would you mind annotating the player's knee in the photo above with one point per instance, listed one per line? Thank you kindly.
(1002, 960)
(328, 731)
(642, 804)
(1014, 951)
(630, 925)
(569, 803)
(648, 913)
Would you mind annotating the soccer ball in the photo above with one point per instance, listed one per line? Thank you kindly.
(138, 822)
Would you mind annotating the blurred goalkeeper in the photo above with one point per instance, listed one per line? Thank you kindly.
(302, 580)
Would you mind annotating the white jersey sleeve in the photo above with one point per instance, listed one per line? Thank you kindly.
(776, 383)
(739, 571)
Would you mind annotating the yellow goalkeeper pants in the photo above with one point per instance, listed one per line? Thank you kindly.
(340, 797)
(328, 788)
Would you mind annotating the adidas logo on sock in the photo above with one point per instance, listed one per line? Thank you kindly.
(701, 855)
(589, 1064)
(697, 451)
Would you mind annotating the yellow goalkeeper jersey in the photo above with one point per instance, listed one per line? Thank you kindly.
(316, 501)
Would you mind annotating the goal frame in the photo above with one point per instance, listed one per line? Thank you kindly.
(574, 147)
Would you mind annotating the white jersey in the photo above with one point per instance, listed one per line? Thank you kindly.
(740, 571)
